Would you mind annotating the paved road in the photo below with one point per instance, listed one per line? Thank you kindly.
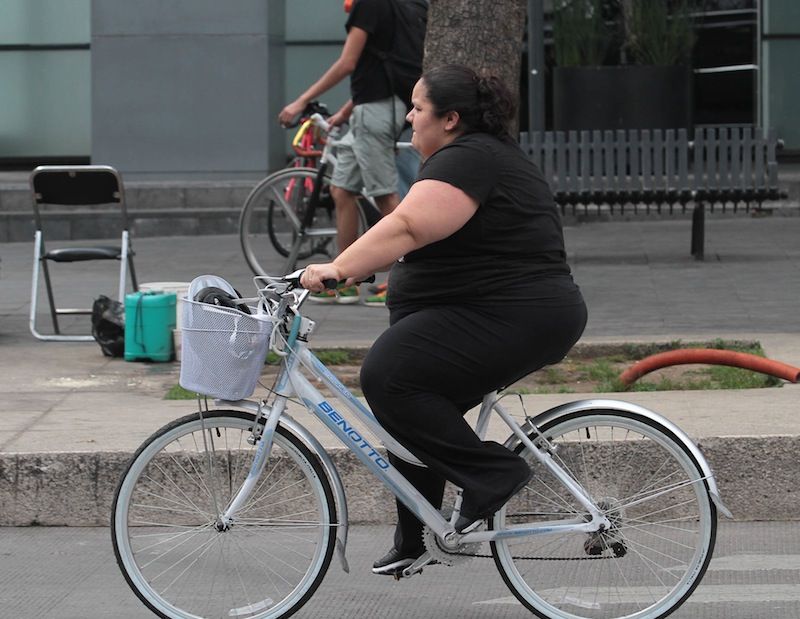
(70, 573)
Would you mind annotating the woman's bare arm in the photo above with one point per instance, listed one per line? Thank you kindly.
(432, 210)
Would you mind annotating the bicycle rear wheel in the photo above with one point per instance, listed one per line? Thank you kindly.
(170, 546)
(663, 522)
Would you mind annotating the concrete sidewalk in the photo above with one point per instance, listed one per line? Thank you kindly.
(71, 417)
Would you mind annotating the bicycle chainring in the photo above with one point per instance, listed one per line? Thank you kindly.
(462, 554)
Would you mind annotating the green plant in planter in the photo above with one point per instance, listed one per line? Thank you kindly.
(656, 35)
(646, 32)
(622, 64)
(580, 35)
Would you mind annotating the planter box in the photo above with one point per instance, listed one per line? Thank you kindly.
(622, 97)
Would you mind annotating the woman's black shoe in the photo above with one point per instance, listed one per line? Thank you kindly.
(395, 561)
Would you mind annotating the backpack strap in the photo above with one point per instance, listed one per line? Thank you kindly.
(387, 57)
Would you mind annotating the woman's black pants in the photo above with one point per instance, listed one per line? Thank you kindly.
(431, 366)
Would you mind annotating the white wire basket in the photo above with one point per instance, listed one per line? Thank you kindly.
(222, 350)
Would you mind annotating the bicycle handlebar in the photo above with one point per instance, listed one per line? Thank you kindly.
(314, 120)
(313, 107)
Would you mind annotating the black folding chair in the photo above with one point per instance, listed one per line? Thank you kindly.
(75, 185)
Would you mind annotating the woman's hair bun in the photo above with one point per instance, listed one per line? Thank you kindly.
(483, 102)
(496, 104)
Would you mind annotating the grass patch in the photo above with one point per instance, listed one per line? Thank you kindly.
(588, 368)
(176, 392)
(596, 368)
(738, 378)
(328, 356)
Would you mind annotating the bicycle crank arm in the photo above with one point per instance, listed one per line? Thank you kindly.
(416, 567)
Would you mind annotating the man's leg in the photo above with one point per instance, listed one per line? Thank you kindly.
(346, 216)
(387, 203)
(347, 213)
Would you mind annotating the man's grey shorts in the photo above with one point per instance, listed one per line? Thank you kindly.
(365, 155)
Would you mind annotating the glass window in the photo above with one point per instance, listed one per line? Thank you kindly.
(32, 22)
(45, 104)
(45, 70)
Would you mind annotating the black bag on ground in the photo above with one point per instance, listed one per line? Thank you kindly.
(108, 326)
(403, 61)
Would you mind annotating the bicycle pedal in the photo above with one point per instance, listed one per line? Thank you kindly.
(407, 573)
(416, 567)
(401, 575)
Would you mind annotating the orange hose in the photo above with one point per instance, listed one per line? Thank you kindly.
(713, 357)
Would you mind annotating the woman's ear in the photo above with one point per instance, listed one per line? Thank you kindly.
(452, 119)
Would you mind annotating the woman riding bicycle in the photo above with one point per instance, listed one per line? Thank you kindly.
(480, 269)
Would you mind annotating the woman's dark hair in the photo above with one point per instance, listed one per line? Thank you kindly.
(484, 103)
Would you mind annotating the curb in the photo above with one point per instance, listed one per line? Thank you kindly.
(756, 478)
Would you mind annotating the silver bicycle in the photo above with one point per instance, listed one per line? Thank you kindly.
(238, 511)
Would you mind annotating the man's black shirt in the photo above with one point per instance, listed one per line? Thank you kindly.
(368, 81)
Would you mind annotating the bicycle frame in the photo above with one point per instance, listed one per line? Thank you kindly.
(291, 382)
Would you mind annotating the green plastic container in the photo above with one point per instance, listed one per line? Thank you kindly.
(149, 321)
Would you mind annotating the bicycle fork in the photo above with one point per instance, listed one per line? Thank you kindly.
(262, 437)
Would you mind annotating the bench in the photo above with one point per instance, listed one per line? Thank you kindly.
(660, 169)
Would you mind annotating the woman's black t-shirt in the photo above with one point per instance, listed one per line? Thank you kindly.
(510, 251)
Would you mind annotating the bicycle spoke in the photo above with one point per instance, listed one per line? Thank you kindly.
(178, 556)
(661, 523)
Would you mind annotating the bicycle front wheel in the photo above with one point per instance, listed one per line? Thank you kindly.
(651, 489)
(168, 539)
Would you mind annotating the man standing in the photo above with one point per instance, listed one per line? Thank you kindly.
(366, 156)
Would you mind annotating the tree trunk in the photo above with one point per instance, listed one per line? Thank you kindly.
(486, 36)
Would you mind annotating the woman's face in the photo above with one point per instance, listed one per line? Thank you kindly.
(431, 132)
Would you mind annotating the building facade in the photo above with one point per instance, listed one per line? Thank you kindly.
(193, 87)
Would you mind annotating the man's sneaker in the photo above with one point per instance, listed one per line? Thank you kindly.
(376, 288)
(347, 295)
(376, 300)
(395, 561)
(343, 295)
(326, 296)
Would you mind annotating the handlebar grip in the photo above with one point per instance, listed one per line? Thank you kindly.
(331, 284)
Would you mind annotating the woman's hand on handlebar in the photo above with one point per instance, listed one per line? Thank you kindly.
(315, 275)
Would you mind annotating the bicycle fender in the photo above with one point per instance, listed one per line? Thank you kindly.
(310, 441)
(315, 446)
(627, 407)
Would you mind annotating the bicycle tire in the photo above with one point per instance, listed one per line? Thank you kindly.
(273, 213)
(300, 194)
(164, 523)
(659, 546)
(260, 232)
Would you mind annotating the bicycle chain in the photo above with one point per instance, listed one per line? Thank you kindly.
(542, 558)
(451, 558)
(448, 558)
